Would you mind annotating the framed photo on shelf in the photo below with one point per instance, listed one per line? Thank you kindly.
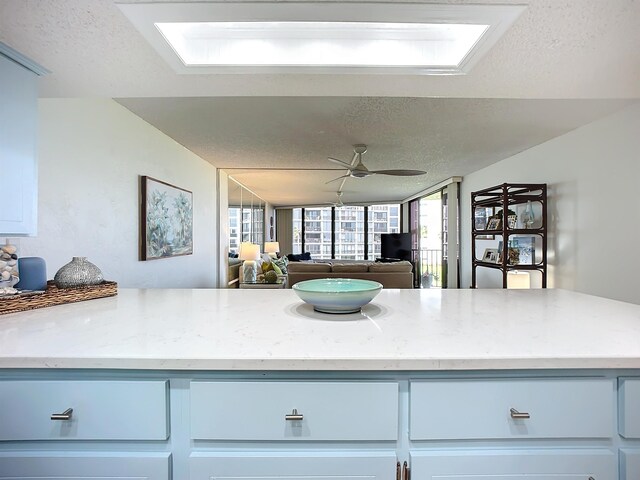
(512, 221)
(527, 248)
(491, 255)
(481, 217)
(495, 223)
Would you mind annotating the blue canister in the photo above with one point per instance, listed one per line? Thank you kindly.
(33, 273)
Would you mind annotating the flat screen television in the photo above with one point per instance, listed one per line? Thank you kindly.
(396, 245)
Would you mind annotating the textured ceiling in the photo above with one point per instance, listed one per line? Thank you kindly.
(289, 138)
(547, 75)
(556, 49)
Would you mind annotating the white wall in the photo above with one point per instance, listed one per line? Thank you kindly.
(593, 174)
(91, 153)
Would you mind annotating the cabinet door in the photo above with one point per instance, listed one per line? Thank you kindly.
(570, 464)
(84, 465)
(18, 124)
(293, 466)
(629, 464)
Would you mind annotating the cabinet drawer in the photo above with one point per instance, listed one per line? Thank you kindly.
(84, 465)
(481, 409)
(102, 410)
(293, 465)
(330, 411)
(629, 408)
(543, 464)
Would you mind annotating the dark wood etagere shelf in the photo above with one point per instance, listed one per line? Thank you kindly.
(500, 199)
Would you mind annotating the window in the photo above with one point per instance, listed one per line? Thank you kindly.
(381, 219)
(347, 238)
(297, 231)
(317, 229)
(349, 233)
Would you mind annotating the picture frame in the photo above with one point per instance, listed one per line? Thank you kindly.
(494, 223)
(166, 220)
(512, 221)
(491, 255)
(527, 249)
(480, 219)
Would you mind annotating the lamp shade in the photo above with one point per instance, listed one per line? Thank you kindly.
(518, 279)
(271, 247)
(249, 251)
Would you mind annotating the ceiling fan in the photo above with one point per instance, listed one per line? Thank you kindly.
(337, 203)
(360, 171)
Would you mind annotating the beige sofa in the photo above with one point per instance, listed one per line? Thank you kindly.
(390, 275)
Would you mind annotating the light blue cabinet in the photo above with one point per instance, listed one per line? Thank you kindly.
(533, 464)
(338, 411)
(18, 163)
(320, 426)
(294, 466)
(629, 408)
(99, 410)
(84, 465)
(511, 409)
(630, 464)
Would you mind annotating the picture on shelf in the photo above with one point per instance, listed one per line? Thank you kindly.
(512, 221)
(491, 255)
(521, 251)
(494, 223)
(481, 217)
(527, 249)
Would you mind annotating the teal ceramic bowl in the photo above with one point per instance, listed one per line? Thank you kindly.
(337, 295)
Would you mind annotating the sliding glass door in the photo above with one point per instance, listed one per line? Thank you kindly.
(431, 239)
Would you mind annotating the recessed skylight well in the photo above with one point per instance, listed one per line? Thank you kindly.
(321, 38)
(326, 44)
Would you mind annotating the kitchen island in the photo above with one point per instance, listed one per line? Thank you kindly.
(199, 384)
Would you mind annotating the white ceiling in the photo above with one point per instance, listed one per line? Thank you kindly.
(546, 76)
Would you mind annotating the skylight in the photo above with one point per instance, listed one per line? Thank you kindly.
(320, 38)
(324, 44)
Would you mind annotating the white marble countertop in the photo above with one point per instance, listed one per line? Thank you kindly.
(273, 330)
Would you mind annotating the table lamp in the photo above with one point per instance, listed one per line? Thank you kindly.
(249, 252)
(272, 248)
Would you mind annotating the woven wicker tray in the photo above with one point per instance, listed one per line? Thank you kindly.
(56, 296)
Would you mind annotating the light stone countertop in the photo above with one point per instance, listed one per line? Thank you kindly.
(425, 330)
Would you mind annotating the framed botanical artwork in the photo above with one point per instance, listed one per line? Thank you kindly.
(166, 220)
(494, 223)
(480, 219)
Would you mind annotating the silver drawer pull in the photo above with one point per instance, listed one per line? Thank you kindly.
(66, 415)
(518, 415)
(294, 415)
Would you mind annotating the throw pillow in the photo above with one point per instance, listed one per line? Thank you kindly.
(276, 268)
(281, 263)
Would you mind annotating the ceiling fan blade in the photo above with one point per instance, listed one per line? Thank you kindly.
(340, 162)
(343, 176)
(399, 173)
